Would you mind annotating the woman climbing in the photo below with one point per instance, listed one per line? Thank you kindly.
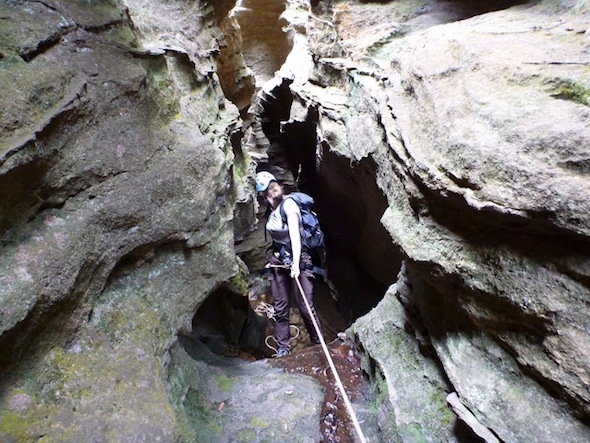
(290, 260)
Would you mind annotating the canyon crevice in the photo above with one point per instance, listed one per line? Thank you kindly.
(445, 144)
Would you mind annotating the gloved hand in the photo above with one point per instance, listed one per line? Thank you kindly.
(295, 271)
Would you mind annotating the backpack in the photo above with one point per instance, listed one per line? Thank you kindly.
(312, 236)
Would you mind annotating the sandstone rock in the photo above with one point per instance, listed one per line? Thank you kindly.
(117, 194)
(110, 377)
(222, 399)
(265, 44)
(449, 134)
(477, 129)
(411, 388)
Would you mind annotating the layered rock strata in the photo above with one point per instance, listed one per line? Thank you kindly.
(447, 136)
(120, 170)
(476, 122)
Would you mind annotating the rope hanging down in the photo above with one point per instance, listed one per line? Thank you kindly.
(357, 426)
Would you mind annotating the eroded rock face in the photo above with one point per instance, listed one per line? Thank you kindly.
(443, 135)
(265, 43)
(479, 130)
(229, 399)
(117, 195)
(410, 381)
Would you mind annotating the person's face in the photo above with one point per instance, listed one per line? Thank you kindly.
(274, 194)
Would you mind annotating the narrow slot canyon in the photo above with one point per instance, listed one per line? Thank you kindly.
(290, 154)
(444, 145)
(360, 263)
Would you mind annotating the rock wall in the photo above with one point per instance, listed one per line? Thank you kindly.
(444, 141)
(120, 170)
(476, 121)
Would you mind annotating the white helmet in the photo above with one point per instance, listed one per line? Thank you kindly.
(263, 179)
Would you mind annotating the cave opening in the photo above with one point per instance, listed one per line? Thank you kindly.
(227, 324)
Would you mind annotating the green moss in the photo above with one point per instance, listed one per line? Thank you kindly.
(413, 432)
(69, 385)
(200, 417)
(570, 90)
(10, 36)
(258, 423)
(14, 426)
(161, 89)
(379, 391)
(443, 414)
(239, 284)
(394, 343)
(246, 435)
(381, 405)
(225, 383)
(136, 321)
(10, 60)
(240, 164)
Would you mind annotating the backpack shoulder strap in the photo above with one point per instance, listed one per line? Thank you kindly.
(282, 210)
(266, 216)
(303, 201)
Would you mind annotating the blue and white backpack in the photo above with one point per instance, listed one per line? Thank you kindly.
(312, 236)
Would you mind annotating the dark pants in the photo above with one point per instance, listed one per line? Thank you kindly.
(282, 285)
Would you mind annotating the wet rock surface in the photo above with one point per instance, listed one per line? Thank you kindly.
(230, 394)
(335, 419)
(252, 341)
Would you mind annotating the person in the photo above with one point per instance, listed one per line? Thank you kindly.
(289, 261)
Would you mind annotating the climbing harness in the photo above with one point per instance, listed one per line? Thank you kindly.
(351, 412)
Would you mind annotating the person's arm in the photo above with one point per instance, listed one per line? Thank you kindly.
(295, 237)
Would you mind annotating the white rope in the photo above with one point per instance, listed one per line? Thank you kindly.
(351, 412)
(269, 346)
(265, 309)
(297, 334)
